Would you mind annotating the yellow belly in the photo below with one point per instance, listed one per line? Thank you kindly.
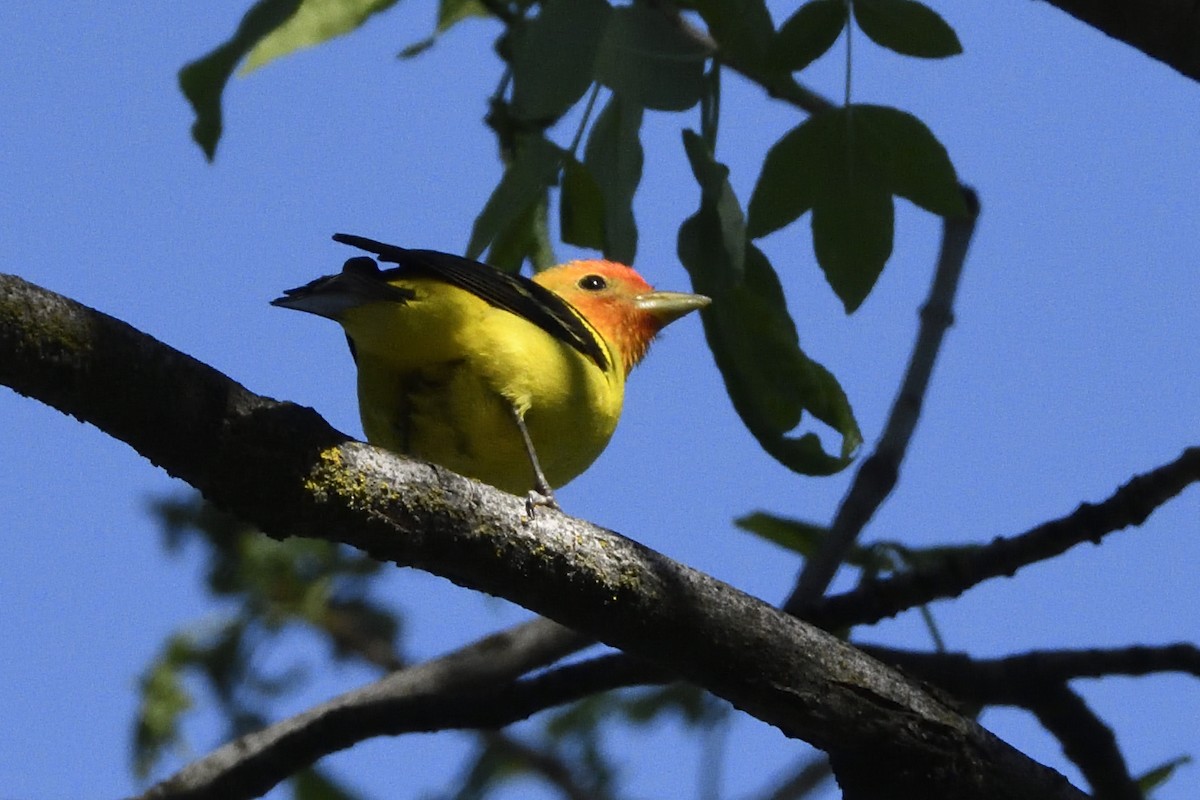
(439, 379)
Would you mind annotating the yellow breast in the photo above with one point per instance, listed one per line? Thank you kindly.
(439, 378)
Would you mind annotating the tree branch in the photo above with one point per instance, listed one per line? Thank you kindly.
(1009, 680)
(1086, 740)
(1166, 30)
(443, 693)
(1130, 505)
(283, 469)
(877, 476)
(1038, 681)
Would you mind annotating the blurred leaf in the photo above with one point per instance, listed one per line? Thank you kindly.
(1153, 778)
(491, 767)
(614, 157)
(581, 207)
(808, 34)
(805, 538)
(527, 237)
(313, 784)
(649, 60)
(694, 705)
(907, 27)
(314, 22)
(845, 164)
(203, 80)
(742, 29)
(553, 55)
(769, 378)
(796, 535)
(450, 13)
(416, 48)
(524, 182)
(164, 699)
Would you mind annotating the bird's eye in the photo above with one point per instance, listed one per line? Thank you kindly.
(592, 283)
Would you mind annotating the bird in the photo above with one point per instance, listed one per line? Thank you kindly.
(517, 382)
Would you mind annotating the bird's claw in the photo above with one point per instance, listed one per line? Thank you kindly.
(540, 499)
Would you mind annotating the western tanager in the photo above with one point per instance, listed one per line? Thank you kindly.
(513, 381)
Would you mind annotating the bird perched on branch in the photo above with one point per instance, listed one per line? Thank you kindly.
(514, 381)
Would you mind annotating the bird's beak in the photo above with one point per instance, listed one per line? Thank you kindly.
(666, 307)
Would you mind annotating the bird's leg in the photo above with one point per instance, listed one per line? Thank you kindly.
(541, 494)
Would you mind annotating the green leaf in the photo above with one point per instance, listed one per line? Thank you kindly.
(914, 163)
(164, 700)
(753, 339)
(846, 164)
(450, 13)
(742, 30)
(717, 195)
(614, 158)
(852, 229)
(797, 168)
(907, 27)
(203, 80)
(648, 59)
(806, 538)
(796, 535)
(808, 34)
(581, 207)
(314, 22)
(553, 55)
(526, 179)
(526, 237)
(1157, 776)
(314, 784)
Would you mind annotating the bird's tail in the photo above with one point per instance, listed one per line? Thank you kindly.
(360, 282)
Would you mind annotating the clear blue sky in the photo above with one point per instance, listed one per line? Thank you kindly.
(1072, 365)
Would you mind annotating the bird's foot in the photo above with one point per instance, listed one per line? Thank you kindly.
(540, 498)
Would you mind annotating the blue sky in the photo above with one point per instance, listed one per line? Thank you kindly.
(1072, 364)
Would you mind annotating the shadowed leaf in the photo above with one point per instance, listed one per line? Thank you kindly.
(741, 28)
(907, 27)
(846, 164)
(649, 60)
(526, 179)
(614, 157)
(553, 56)
(203, 80)
(581, 207)
(808, 34)
(753, 339)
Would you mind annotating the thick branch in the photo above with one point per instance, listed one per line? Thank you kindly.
(1165, 30)
(283, 469)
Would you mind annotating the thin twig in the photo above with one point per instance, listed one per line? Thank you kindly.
(1129, 505)
(878, 474)
(1010, 679)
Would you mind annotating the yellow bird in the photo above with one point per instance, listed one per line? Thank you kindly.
(516, 382)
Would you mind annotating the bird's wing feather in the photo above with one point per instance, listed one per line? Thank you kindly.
(513, 293)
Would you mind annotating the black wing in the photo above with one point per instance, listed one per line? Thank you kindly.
(513, 293)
